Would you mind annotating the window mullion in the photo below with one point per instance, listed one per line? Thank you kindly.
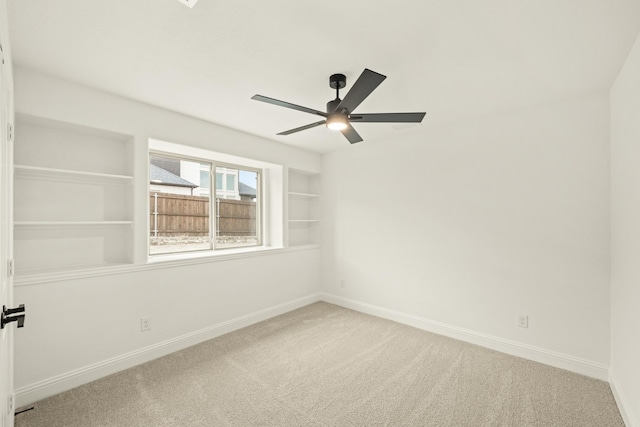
(212, 191)
(213, 211)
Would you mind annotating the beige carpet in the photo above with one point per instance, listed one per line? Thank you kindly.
(323, 365)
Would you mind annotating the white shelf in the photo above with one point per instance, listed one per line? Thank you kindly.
(48, 173)
(59, 224)
(303, 195)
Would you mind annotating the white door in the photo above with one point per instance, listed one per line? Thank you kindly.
(6, 222)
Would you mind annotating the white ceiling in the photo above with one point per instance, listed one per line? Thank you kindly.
(454, 59)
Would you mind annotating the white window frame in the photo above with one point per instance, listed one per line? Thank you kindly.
(179, 157)
(269, 216)
(259, 198)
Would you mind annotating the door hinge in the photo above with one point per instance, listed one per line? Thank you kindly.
(10, 132)
(11, 404)
(10, 268)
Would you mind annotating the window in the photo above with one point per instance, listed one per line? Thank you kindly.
(227, 183)
(231, 183)
(237, 207)
(205, 180)
(219, 180)
(185, 215)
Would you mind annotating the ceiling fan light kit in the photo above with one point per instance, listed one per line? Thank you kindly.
(337, 122)
(339, 111)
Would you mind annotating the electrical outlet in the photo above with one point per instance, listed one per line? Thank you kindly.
(145, 324)
(523, 321)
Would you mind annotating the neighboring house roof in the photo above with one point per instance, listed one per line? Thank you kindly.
(159, 176)
(167, 163)
(246, 190)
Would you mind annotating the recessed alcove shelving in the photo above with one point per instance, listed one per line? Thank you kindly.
(72, 197)
(303, 208)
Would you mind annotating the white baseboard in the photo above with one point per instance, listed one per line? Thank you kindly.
(50, 386)
(537, 354)
(622, 401)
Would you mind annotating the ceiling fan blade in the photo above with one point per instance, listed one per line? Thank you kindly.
(350, 133)
(388, 118)
(312, 125)
(288, 105)
(366, 83)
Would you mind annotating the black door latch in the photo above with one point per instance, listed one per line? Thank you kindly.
(12, 315)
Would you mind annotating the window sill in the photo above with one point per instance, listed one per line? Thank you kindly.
(221, 254)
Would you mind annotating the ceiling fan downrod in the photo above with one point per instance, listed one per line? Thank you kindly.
(337, 82)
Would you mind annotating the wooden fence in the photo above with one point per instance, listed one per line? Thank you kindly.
(182, 215)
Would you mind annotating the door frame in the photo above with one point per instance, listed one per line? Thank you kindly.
(7, 398)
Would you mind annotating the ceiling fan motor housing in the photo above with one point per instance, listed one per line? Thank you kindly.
(332, 105)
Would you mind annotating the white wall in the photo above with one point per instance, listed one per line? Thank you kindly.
(79, 329)
(466, 225)
(472, 224)
(625, 236)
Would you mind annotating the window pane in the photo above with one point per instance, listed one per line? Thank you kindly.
(226, 187)
(179, 205)
(204, 178)
(231, 182)
(237, 209)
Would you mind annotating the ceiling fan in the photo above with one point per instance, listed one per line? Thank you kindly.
(339, 115)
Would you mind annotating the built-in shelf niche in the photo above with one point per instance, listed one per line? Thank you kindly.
(303, 210)
(73, 207)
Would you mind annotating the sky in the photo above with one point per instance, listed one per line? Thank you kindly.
(248, 178)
